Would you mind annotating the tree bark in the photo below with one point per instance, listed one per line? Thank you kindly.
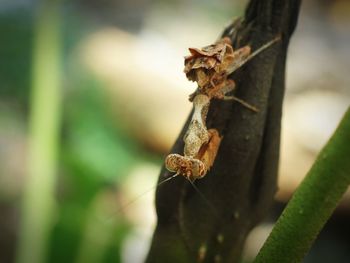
(238, 191)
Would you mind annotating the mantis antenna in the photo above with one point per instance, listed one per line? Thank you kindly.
(140, 196)
(146, 192)
(256, 52)
(205, 199)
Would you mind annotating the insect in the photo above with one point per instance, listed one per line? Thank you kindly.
(210, 67)
(201, 145)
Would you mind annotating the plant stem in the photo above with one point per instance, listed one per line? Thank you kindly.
(38, 196)
(313, 202)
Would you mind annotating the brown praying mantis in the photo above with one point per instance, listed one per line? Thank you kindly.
(210, 67)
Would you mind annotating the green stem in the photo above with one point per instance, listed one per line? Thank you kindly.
(38, 196)
(313, 202)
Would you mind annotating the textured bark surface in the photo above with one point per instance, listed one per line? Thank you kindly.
(240, 186)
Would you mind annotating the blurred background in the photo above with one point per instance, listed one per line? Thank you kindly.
(93, 95)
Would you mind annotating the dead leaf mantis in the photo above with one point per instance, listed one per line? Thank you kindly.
(210, 67)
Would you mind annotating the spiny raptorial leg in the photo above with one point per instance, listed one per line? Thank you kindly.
(196, 167)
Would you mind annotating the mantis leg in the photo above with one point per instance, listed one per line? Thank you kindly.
(208, 152)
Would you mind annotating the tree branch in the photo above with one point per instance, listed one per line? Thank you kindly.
(241, 184)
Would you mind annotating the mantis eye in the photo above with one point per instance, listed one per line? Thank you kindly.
(172, 163)
(198, 169)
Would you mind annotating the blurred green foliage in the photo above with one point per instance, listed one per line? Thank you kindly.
(95, 155)
(15, 52)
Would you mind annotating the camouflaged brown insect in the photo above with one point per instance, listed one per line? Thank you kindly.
(210, 67)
